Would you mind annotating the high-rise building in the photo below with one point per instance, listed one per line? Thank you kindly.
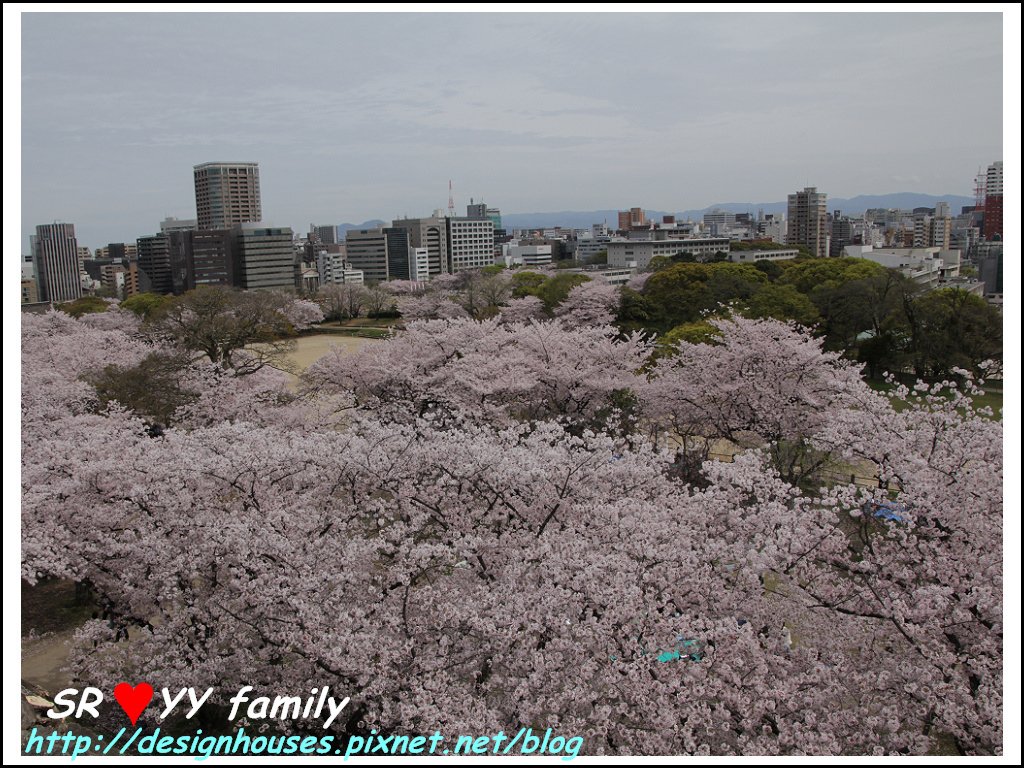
(227, 194)
(481, 211)
(634, 218)
(470, 243)
(401, 263)
(842, 234)
(932, 231)
(201, 258)
(55, 254)
(264, 256)
(154, 260)
(325, 234)
(994, 201)
(430, 233)
(367, 251)
(807, 221)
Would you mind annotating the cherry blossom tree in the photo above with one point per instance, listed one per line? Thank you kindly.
(341, 300)
(240, 331)
(471, 547)
(522, 310)
(591, 303)
(429, 306)
(463, 369)
(760, 383)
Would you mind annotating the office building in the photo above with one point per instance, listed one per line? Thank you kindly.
(201, 258)
(367, 251)
(431, 234)
(470, 243)
(400, 267)
(227, 194)
(638, 253)
(842, 234)
(171, 224)
(55, 255)
(324, 234)
(929, 267)
(807, 221)
(481, 211)
(933, 231)
(333, 269)
(154, 260)
(634, 218)
(516, 255)
(264, 256)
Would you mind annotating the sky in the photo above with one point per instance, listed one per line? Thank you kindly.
(360, 116)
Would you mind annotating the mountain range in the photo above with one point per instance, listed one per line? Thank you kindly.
(851, 206)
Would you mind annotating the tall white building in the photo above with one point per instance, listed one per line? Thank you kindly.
(333, 269)
(470, 243)
(994, 179)
(419, 264)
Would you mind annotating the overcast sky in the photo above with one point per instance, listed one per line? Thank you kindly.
(360, 116)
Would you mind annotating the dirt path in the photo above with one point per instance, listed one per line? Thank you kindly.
(311, 348)
(42, 660)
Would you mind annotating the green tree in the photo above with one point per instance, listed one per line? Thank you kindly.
(700, 332)
(781, 302)
(635, 312)
(86, 305)
(953, 328)
(684, 293)
(146, 305)
(555, 289)
(807, 274)
(772, 269)
(872, 305)
(525, 283)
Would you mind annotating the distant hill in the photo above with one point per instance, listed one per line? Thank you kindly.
(848, 205)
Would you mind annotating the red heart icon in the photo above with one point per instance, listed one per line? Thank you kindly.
(133, 700)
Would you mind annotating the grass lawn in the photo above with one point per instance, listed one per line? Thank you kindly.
(362, 322)
(363, 332)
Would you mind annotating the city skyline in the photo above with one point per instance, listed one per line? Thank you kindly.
(528, 112)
